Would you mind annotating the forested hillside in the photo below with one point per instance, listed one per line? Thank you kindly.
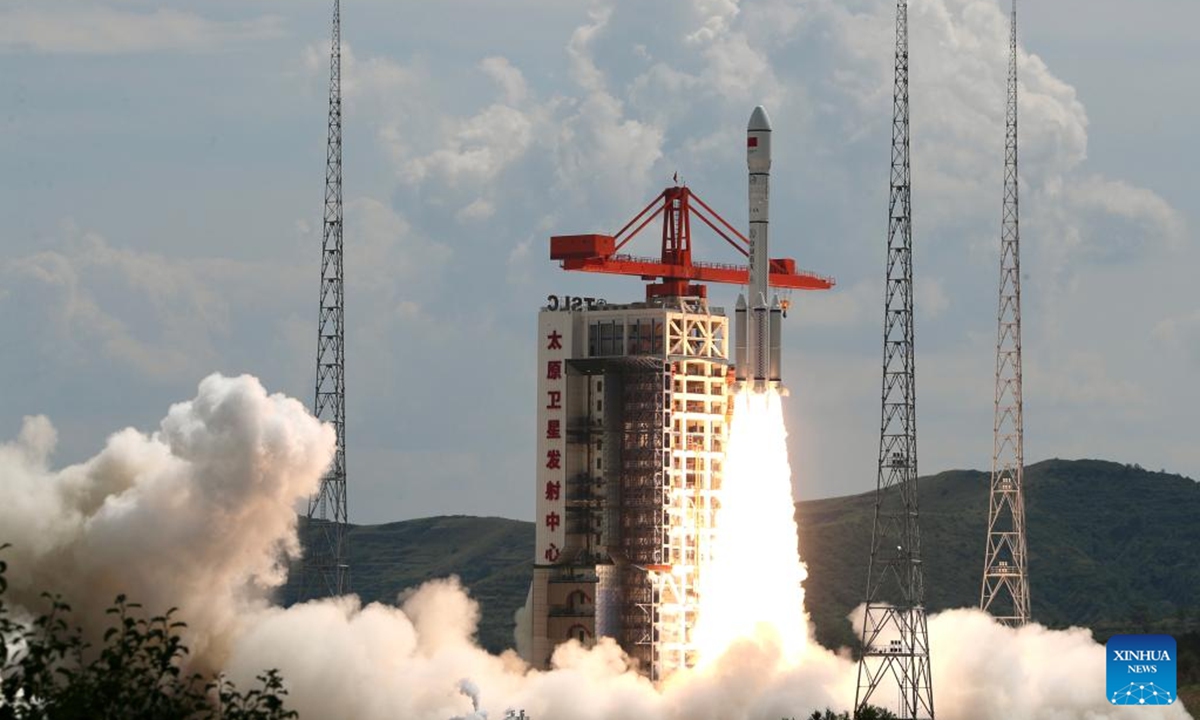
(1111, 546)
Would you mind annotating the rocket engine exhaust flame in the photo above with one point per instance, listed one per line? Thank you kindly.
(751, 589)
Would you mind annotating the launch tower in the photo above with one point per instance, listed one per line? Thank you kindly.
(631, 433)
(1005, 590)
(895, 641)
(326, 572)
(633, 406)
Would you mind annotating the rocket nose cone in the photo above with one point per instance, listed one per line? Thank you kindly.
(759, 120)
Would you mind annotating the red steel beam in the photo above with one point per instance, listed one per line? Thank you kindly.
(705, 272)
(675, 270)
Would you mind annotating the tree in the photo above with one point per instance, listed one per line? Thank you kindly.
(870, 712)
(49, 672)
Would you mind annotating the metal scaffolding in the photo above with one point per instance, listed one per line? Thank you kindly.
(1005, 587)
(645, 456)
(326, 572)
(895, 640)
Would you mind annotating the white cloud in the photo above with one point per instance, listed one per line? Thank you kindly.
(477, 150)
(1082, 379)
(844, 307)
(715, 16)
(584, 70)
(473, 145)
(601, 150)
(95, 29)
(390, 98)
(1156, 224)
(374, 79)
(589, 138)
(476, 211)
(929, 297)
(154, 314)
(738, 69)
(385, 254)
(958, 53)
(721, 57)
(509, 78)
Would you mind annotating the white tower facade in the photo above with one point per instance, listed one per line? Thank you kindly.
(631, 428)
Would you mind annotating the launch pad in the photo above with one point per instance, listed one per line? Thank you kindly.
(633, 410)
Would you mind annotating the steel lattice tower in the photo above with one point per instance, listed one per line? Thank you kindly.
(1005, 590)
(895, 639)
(326, 571)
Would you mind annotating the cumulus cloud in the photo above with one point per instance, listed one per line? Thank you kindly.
(478, 148)
(610, 131)
(86, 293)
(381, 93)
(958, 59)
(582, 123)
(929, 297)
(399, 102)
(1138, 220)
(598, 147)
(387, 256)
(584, 71)
(475, 211)
(632, 98)
(508, 77)
(587, 140)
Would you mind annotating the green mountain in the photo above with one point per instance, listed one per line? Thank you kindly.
(492, 557)
(1111, 546)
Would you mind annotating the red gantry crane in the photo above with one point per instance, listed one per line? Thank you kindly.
(675, 273)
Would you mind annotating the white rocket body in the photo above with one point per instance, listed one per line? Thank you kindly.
(757, 324)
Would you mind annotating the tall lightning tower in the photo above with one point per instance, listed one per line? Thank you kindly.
(1005, 590)
(326, 571)
(895, 639)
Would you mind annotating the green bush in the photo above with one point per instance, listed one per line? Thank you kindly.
(870, 712)
(49, 672)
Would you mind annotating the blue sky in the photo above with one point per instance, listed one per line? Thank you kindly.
(163, 182)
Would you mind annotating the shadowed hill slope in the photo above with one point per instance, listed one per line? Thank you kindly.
(1111, 546)
(490, 555)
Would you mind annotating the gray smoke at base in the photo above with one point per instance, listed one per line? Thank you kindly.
(200, 513)
(523, 627)
(471, 690)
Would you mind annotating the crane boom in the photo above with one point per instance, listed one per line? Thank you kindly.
(675, 273)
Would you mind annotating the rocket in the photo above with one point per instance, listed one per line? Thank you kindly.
(757, 324)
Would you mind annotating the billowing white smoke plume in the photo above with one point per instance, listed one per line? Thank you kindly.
(199, 513)
(984, 670)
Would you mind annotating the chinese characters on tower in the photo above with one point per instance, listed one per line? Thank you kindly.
(553, 350)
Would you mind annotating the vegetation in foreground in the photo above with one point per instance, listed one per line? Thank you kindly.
(869, 712)
(48, 671)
